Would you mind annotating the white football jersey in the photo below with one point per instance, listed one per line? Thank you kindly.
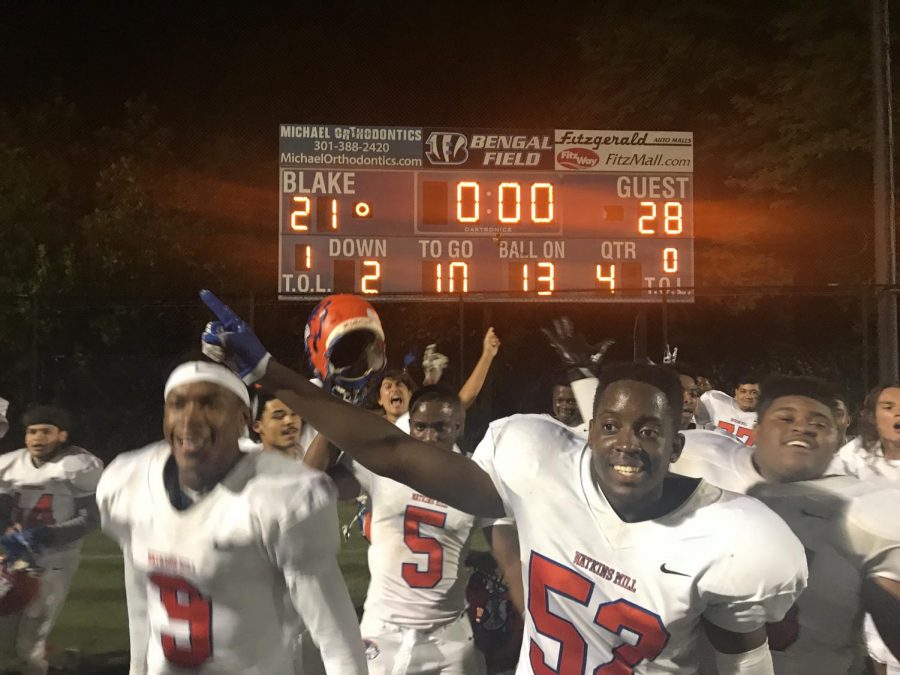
(718, 410)
(601, 591)
(209, 587)
(46, 494)
(717, 458)
(843, 526)
(416, 556)
(855, 460)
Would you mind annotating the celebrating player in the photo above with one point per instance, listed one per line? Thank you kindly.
(854, 551)
(279, 428)
(625, 563)
(223, 549)
(46, 507)
(733, 415)
(415, 606)
(564, 406)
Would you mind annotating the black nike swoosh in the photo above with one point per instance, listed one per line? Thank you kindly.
(664, 570)
(813, 515)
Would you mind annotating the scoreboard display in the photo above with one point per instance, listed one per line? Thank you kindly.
(489, 214)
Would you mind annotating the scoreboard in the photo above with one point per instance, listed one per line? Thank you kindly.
(488, 214)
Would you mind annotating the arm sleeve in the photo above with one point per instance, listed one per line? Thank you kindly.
(759, 579)
(873, 537)
(110, 504)
(306, 552)
(87, 518)
(584, 391)
(484, 457)
(138, 628)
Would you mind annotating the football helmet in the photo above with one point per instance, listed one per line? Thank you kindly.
(496, 625)
(19, 584)
(345, 345)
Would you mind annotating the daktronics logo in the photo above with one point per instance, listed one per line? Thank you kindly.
(446, 147)
(577, 158)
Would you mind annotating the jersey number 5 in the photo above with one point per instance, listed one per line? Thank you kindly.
(546, 576)
(183, 602)
(432, 574)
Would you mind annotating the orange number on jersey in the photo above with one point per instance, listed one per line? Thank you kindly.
(545, 576)
(652, 635)
(417, 543)
(39, 514)
(745, 435)
(184, 602)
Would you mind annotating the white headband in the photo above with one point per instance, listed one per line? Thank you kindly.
(203, 371)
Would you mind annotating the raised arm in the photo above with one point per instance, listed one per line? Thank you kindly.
(370, 439)
(386, 450)
(472, 387)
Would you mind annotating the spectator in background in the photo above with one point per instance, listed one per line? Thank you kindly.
(842, 419)
(704, 384)
(279, 428)
(691, 393)
(394, 393)
(735, 415)
(875, 453)
(397, 386)
(47, 506)
(564, 407)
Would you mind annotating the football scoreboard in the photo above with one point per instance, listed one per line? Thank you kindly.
(488, 214)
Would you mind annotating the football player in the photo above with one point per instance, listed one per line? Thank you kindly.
(414, 620)
(224, 549)
(279, 428)
(564, 407)
(624, 564)
(46, 507)
(734, 415)
(853, 550)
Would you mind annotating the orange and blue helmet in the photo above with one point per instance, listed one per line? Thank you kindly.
(345, 345)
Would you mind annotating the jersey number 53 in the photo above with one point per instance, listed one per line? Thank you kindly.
(546, 576)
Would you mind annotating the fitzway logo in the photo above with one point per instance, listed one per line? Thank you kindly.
(446, 147)
(577, 158)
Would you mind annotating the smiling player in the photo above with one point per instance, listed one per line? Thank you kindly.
(624, 564)
(854, 551)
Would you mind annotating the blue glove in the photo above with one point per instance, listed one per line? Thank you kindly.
(231, 342)
(409, 359)
(22, 545)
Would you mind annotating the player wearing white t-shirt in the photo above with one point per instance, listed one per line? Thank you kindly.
(854, 551)
(224, 549)
(47, 493)
(584, 581)
(733, 415)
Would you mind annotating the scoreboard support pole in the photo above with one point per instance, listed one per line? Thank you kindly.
(640, 334)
